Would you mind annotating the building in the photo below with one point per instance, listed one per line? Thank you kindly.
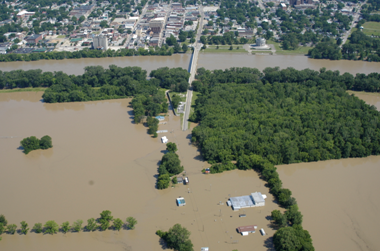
(24, 13)
(100, 42)
(33, 39)
(156, 24)
(260, 41)
(245, 230)
(283, 6)
(164, 140)
(254, 200)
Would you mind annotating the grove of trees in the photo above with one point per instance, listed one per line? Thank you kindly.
(170, 165)
(177, 238)
(32, 143)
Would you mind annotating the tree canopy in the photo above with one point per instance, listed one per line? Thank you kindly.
(32, 143)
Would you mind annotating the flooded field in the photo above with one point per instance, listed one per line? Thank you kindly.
(100, 161)
(339, 198)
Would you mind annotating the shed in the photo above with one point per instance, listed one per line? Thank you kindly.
(164, 140)
(245, 230)
(179, 180)
(181, 202)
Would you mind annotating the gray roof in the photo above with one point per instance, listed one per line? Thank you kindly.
(241, 201)
(257, 197)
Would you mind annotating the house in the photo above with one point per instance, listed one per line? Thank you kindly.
(245, 230)
(179, 180)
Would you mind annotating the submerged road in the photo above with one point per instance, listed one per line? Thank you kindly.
(193, 69)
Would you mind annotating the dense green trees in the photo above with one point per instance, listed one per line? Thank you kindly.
(77, 226)
(117, 224)
(91, 225)
(65, 227)
(3, 220)
(150, 106)
(327, 50)
(85, 53)
(32, 143)
(177, 238)
(37, 228)
(11, 228)
(170, 165)
(292, 239)
(175, 100)
(171, 147)
(175, 79)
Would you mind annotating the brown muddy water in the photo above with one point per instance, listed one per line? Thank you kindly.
(214, 61)
(76, 66)
(339, 198)
(100, 160)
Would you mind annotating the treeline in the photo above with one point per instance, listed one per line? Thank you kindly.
(86, 53)
(32, 143)
(170, 165)
(175, 79)
(360, 82)
(150, 106)
(51, 227)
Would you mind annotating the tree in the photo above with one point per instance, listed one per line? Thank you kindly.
(51, 227)
(46, 142)
(77, 225)
(175, 100)
(293, 215)
(24, 227)
(11, 228)
(171, 147)
(65, 227)
(178, 238)
(81, 19)
(3, 220)
(103, 24)
(279, 218)
(163, 181)
(91, 224)
(30, 143)
(131, 222)
(285, 239)
(105, 218)
(185, 48)
(2, 228)
(117, 224)
(37, 228)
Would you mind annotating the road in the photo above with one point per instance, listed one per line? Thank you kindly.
(356, 18)
(197, 47)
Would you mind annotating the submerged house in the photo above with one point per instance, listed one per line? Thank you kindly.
(254, 200)
(181, 202)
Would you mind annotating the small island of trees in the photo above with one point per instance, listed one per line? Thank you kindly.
(33, 143)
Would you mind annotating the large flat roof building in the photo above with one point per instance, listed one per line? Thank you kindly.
(254, 200)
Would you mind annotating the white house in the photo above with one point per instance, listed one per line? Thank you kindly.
(164, 140)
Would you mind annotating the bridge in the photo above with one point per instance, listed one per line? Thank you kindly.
(193, 69)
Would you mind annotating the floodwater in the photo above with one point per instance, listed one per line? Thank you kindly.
(339, 198)
(209, 61)
(100, 161)
(214, 61)
(76, 66)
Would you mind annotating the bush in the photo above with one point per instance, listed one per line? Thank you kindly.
(3, 220)
(51, 227)
(32, 143)
(37, 228)
(12, 228)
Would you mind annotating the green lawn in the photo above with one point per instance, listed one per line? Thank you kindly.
(225, 49)
(31, 89)
(61, 36)
(371, 28)
(300, 50)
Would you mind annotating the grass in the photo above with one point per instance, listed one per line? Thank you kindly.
(31, 89)
(371, 28)
(61, 36)
(225, 49)
(183, 99)
(300, 50)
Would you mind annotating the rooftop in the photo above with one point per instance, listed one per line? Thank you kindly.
(250, 228)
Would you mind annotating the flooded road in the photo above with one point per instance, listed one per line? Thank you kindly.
(339, 198)
(214, 61)
(100, 161)
(76, 66)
